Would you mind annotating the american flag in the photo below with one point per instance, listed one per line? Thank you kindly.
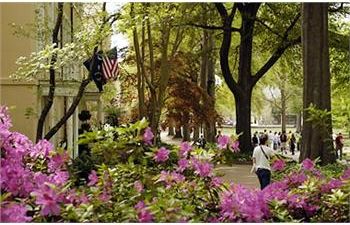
(110, 68)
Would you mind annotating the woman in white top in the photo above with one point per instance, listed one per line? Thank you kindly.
(261, 164)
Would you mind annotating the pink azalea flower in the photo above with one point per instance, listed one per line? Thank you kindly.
(223, 141)
(346, 175)
(84, 199)
(308, 164)
(140, 205)
(203, 169)
(162, 155)
(297, 178)
(93, 178)
(177, 178)
(14, 213)
(143, 214)
(105, 196)
(60, 178)
(216, 182)
(148, 136)
(182, 164)
(138, 186)
(185, 148)
(278, 165)
(48, 200)
(332, 184)
(235, 146)
(57, 162)
(42, 148)
(5, 120)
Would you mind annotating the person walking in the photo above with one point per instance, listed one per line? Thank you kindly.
(339, 144)
(275, 141)
(261, 157)
(283, 139)
(255, 139)
(292, 142)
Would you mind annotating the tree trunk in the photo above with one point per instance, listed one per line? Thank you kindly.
(82, 87)
(243, 120)
(283, 107)
(186, 132)
(298, 125)
(196, 133)
(316, 139)
(210, 126)
(139, 65)
(50, 97)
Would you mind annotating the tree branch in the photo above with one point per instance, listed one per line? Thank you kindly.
(269, 28)
(51, 94)
(336, 9)
(290, 27)
(211, 27)
(81, 90)
(279, 51)
(274, 57)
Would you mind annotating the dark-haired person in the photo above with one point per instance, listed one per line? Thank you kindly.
(261, 162)
(339, 143)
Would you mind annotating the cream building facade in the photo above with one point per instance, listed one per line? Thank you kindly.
(26, 98)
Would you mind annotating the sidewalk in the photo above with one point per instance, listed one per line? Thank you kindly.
(241, 173)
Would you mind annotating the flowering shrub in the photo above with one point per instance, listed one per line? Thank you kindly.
(139, 182)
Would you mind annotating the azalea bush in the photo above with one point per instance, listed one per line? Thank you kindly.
(134, 181)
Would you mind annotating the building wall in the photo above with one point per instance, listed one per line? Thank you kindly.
(19, 96)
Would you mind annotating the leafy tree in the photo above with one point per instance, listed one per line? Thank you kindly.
(94, 28)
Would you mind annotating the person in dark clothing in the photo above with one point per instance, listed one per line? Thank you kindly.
(202, 142)
(255, 140)
(292, 144)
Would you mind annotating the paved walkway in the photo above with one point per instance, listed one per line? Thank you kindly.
(238, 173)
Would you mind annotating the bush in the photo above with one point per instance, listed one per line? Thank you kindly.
(134, 181)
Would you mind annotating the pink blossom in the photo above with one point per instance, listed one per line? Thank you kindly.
(60, 178)
(105, 196)
(235, 146)
(138, 186)
(346, 175)
(57, 162)
(240, 204)
(177, 178)
(5, 120)
(297, 178)
(13, 213)
(145, 216)
(170, 178)
(162, 155)
(185, 148)
(223, 141)
(182, 164)
(308, 164)
(332, 184)
(93, 178)
(84, 199)
(216, 181)
(278, 165)
(140, 205)
(48, 199)
(203, 169)
(42, 148)
(148, 136)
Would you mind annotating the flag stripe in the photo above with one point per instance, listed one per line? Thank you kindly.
(110, 68)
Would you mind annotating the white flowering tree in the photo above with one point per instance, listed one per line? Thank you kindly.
(94, 28)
